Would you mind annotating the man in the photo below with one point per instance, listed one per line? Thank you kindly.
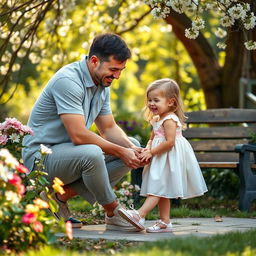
(89, 164)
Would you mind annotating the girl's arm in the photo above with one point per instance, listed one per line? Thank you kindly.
(170, 133)
(148, 146)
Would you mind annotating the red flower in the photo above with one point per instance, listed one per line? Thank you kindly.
(22, 169)
(15, 180)
(28, 218)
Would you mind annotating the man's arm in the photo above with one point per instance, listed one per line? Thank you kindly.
(112, 132)
(79, 134)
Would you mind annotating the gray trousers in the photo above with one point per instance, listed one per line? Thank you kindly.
(87, 170)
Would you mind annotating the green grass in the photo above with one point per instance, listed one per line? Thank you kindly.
(231, 244)
(203, 207)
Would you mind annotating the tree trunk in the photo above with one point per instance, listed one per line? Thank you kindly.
(220, 84)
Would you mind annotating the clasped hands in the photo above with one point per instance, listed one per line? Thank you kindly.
(143, 154)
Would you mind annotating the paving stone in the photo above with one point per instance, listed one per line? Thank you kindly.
(182, 227)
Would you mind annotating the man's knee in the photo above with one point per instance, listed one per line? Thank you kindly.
(134, 141)
(93, 153)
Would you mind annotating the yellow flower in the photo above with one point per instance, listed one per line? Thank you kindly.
(57, 186)
(31, 208)
(58, 181)
(41, 203)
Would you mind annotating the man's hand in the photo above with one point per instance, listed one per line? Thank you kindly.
(129, 157)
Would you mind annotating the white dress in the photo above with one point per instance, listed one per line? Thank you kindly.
(176, 173)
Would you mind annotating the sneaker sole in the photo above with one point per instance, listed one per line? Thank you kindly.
(163, 230)
(120, 228)
(130, 220)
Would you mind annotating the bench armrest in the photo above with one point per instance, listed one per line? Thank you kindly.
(245, 147)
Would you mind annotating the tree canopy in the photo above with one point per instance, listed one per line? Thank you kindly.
(37, 37)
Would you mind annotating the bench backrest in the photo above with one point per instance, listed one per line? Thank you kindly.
(214, 133)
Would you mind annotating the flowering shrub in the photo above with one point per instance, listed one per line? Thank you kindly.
(24, 222)
(125, 196)
(22, 225)
(12, 132)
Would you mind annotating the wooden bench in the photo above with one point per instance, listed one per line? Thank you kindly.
(220, 139)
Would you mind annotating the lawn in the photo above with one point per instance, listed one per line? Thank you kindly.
(230, 244)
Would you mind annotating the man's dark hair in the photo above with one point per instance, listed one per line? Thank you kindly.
(106, 45)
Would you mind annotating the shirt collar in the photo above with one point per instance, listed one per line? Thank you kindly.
(88, 82)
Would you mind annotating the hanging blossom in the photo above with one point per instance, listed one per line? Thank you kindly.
(230, 11)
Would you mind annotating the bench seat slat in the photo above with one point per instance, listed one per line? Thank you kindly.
(217, 157)
(219, 132)
(218, 164)
(217, 145)
(221, 165)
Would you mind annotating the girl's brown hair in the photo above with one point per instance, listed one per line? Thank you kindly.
(170, 90)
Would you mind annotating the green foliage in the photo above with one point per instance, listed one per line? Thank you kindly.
(134, 126)
(252, 137)
(221, 183)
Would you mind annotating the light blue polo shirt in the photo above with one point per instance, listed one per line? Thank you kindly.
(70, 91)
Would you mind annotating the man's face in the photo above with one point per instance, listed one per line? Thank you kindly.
(105, 72)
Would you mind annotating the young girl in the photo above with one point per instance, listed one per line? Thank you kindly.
(173, 171)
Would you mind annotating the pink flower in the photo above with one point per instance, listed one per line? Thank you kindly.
(21, 189)
(26, 129)
(28, 218)
(69, 231)
(38, 226)
(22, 169)
(3, 139)
(126, 193)
(11, 123)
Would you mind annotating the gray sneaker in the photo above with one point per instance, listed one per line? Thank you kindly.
(132, 216)
(63, 211)
(116, 222)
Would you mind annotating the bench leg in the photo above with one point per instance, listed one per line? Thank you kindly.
(247, 182)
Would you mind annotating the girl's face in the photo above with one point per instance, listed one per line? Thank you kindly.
(158, 104)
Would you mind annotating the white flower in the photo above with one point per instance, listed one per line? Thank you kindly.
(220, 32)
(198, 24)
(12, 197)
(250, 21)
(221, 45)
(156, 13)
(191, 33)
(8, 159)
(15, 137)
(137, 188)
(237, 12)
(250, 45)
(125, 184)
(227, 21)
(45, 150)
(5, 174)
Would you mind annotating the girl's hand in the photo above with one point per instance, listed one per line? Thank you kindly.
(146, 155)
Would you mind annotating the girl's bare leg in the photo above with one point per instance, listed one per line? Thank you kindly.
(149, 204)
(164, 206)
